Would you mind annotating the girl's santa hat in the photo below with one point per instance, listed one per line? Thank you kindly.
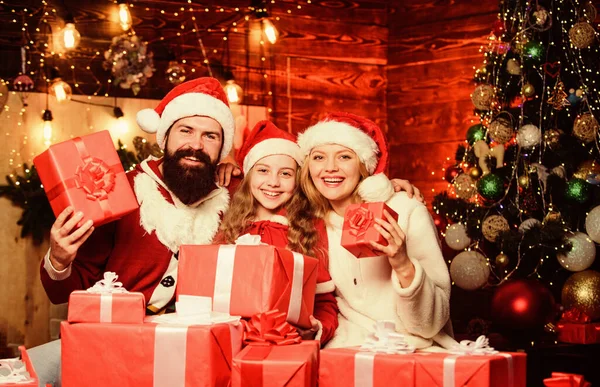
(365, 138)
(198, 97)
(264, 140)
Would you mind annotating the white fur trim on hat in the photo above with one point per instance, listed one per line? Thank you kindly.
(270, 147)
(195, 104)
(376, 188)
(148, 120)
(334, 132)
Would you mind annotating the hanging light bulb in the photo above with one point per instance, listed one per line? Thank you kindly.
(234, 91)
(61, 90)
(69, 36)
(270, 30)
(120, 126)
(47, 129)
(124, 16)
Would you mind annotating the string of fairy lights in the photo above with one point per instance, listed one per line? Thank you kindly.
(495, 54)
(45, 44)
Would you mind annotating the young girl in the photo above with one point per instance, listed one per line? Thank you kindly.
(268, 203)
(408, 283)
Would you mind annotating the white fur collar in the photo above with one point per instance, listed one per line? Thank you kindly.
(175, 226)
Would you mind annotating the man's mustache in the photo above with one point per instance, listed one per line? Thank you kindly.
(196, 153)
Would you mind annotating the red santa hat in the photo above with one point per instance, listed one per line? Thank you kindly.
(264, 140)
(198, 97)
(365, 138)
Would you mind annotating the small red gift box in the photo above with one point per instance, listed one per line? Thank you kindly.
(106, 307)
(576, 333)
(86, 173)
(349, 367)
(148, 355)
(33, 379)
(244, 280)
(273, 366)
(561, 379)
(358, 229)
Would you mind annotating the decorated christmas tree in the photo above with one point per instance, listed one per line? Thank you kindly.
(523, 209)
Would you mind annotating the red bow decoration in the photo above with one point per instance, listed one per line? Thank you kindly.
(575, 315)
(95, 178)
(561, 379)
(270, 328)
(359, 220)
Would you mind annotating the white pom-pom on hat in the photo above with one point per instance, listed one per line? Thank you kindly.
(148, 120)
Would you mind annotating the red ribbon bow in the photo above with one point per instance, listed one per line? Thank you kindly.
(95, 178)
(270, 328)
(359, 220)
(575, 315)
(561, 379)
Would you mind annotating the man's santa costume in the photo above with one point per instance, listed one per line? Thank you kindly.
(142, 247)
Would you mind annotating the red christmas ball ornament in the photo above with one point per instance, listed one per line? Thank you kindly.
(522, 305)
(451, 173)
(499, 28)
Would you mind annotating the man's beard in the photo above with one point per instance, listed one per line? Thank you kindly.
(189, 183)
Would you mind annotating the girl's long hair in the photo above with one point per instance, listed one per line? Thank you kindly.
(302, 235)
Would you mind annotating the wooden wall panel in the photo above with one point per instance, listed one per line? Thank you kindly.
(433, 47)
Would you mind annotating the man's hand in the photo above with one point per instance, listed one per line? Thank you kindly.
(64, 242)
(411, 190)
(227, 167)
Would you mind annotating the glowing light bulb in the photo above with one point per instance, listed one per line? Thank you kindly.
(121, 126)
(234, 91)
(61, 90)
(270, 31)
(70, 36)
(47, 128)
(124, 17)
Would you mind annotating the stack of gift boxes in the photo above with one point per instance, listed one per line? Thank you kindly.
(108, 340)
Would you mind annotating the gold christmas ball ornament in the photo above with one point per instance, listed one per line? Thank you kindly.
(475, 173)
(493, 226)
(524, 181)
(528, 90)
(552, 138)
(501, 130)
(513, 67)
(589, 167)
(464, 186)
(482, 97)
(582, 35)
(552, 216)
(582, 291)
(502, 260)
(585, 127)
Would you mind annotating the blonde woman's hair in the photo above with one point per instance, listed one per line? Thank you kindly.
(302, 235)
(320, 204)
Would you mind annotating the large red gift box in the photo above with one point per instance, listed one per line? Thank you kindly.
(86, 173)
(349, 367)
(578, 333)
(294, 365)
(244, 280)
(148, 355)
(29, 367)
(106, 307)
(358, 229)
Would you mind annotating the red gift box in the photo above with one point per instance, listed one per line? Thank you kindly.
(561, 379)
(588, 333)
(358, 229)
(111, 307)
(29, 367)
(148, 355)
(245, 280)
(86, 173)
(286, 365)
(350, 367)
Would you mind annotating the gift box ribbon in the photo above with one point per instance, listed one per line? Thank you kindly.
(94, 177)
(449, 376)
(224, 281)
(106, 287)
(561, 379)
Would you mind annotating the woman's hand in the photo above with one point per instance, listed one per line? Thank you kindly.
(309, 334)
(396, 248)
(64, 242)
